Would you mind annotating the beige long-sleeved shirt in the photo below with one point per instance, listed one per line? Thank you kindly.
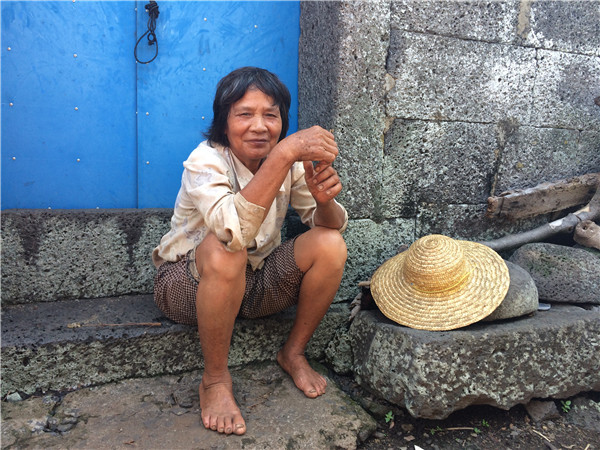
(209, 201)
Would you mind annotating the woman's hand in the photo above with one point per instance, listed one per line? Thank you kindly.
(311, 144)
(323, 181)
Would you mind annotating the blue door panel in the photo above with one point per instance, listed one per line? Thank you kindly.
(84, 126)
(68, 105)
(199, 43)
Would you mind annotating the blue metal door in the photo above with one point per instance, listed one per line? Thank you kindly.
(199, 43)
(85, 126)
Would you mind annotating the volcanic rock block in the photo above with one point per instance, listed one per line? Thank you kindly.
(521, 298)
(561, 273)
(553, 354)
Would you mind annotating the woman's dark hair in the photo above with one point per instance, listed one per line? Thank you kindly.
(233, 87)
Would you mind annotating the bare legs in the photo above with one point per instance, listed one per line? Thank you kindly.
(321, 254)
(218, 301)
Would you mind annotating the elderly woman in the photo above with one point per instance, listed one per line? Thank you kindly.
(223, 257)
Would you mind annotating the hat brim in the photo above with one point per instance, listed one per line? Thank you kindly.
(401, 302)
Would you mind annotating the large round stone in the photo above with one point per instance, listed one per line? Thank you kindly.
(521, 298)
(561, 273)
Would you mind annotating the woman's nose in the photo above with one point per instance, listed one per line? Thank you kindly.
(258, 123)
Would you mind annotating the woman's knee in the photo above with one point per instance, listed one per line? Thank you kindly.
(325, 244)
(213, 259)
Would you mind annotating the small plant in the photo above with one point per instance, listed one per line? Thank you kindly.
(389, 417)
(485, 423)
(435, 430)
(476, 430)
(565, 405)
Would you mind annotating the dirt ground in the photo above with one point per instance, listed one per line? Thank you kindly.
(482, 427)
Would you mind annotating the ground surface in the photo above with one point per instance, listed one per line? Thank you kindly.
(482, 427)
(163, 412)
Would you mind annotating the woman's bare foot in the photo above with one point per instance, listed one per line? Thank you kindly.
(219, 409)
(305, 377)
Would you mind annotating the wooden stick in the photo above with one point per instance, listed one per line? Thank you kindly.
(127, 324)
(537, 432)
(565, 225)
(544, 198)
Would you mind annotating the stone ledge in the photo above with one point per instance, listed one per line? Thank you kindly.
(42, 350)
(73, 254)
(552, 354)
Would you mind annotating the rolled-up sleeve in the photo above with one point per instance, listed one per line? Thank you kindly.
(302, 200)
(208, 183)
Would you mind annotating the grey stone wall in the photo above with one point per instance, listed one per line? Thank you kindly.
(437, 105)
(68, 254)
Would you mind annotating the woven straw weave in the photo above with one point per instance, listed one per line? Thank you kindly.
(440, 284)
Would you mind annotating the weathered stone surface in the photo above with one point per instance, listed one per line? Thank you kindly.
(585, 413)
(144, 413)
(546, 26)
(447, 162)
(69, 254)
(369, 244)
(467, 222)
(43, 350)
(542, 410)
(521, 166)
(561, 273)
(441, 78)
(338, 353)
(341, 71)
(565, 89)
(521, 298)
(490, 21)
(553, 354)
(22, 420)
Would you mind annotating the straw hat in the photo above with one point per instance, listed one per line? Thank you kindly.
(440, 284)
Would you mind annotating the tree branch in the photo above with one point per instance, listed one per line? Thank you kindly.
(565, 225)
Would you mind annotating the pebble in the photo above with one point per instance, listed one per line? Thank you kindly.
(14, 397)
(64, 427)
(178, 411)
(407, 427)
(50, 399)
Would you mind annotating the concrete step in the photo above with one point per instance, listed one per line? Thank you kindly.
(70, 344)
(163, 412)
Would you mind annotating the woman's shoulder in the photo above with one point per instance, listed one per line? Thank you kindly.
(207, 153)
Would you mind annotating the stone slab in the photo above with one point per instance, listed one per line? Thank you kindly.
(565, 88)
(468, 222)
(71, 254)
(446, 162)
(442, 78)
(546, 26)
(59, 345)
(490, 21)
(369, 244)
(553, 354)
(163, 412)
(532, 156)
(341, 71)
(549, 264)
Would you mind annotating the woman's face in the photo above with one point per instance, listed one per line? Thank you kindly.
(253, 127)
